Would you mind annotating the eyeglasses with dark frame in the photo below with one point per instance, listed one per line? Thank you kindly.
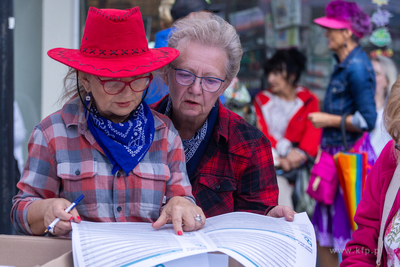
(186, 78)
(114, 87)
(397, 146)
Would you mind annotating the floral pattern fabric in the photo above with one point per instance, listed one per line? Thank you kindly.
(392, 241)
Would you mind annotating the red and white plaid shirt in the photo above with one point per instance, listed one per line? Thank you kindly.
(65, 161)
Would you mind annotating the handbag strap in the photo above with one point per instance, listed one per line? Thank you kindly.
(343, 129)
(387, 206)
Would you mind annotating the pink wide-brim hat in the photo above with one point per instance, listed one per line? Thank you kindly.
(333, 23)
(114, 45)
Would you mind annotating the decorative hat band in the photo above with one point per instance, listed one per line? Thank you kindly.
(112, 53)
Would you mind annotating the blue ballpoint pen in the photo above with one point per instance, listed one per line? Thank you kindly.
(53, 223)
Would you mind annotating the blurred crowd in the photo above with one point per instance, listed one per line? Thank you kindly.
(301, 127)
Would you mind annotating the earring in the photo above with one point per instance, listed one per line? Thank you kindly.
(88, 98)
(345, 44)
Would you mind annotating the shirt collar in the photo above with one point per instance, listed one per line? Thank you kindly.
(73, 115)
(350, 56)
(220, 128)
(221, 125)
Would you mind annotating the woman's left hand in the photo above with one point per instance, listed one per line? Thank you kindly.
(282, 211)
(182, 213)
(296, 158)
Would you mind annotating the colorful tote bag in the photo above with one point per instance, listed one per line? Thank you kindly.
(352, 168)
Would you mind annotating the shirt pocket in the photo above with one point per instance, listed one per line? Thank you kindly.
(150, 179)
(337, 97)
(80, 178)
(217, 193)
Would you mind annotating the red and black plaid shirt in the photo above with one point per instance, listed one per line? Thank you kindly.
(237, 171)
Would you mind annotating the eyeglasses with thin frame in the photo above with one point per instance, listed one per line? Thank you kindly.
(114, 86)
(186, 78)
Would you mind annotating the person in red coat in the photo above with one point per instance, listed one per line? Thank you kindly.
(282, 112)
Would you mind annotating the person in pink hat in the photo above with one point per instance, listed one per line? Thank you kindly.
(350, 92)
(105, 143)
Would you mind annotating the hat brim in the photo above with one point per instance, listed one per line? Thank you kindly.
(131, 65)
(331, 23)
(336, 24)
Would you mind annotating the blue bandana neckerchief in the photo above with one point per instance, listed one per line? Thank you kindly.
(125, 144)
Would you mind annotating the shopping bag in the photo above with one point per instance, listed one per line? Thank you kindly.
(323, 180)
(352, 168)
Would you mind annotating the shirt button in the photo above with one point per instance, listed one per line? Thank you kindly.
(119, 208)
(118, 174)
(77, 172)
(218, 187)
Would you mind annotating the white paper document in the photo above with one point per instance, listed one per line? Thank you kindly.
(251, 239)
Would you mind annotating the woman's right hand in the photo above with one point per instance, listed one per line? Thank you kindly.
(57, 210)
(43, 212)
(181, 212)
(319, 119)
(324, 120)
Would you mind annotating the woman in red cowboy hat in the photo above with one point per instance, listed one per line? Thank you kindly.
(105, 143)
(350, 91)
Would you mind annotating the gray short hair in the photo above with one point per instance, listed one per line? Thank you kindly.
(209, 30)
(389, 70)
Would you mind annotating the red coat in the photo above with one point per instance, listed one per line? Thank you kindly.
(299, 130)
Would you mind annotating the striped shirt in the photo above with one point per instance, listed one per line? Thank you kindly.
(65, 161)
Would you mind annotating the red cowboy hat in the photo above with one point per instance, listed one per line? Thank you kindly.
(114, 45)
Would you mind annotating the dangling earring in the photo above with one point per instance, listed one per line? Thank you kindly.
(88, 98)
(345, 43)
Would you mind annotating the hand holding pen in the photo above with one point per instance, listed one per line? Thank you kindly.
(52, 225)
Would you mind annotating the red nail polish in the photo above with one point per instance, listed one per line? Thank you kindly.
(180, 233)
(79, 218)
(152, 224)
(71, 218)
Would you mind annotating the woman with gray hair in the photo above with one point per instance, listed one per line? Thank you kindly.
(229, 162)
(385, 75)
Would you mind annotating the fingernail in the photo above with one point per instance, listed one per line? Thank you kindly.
(180, 233)
(71, 218)
(79, 218)
(152, 224)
